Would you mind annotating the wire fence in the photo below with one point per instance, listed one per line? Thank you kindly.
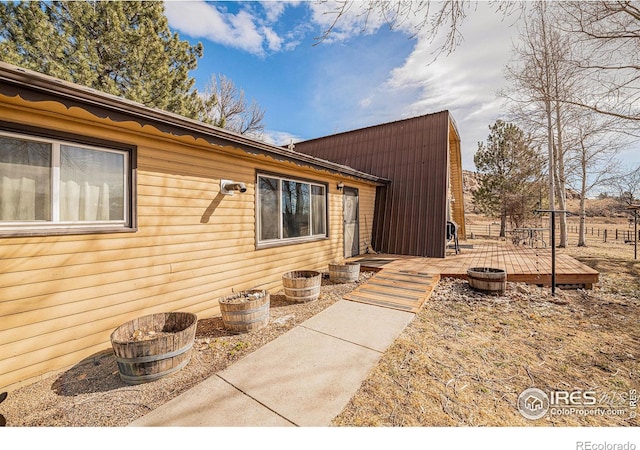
(599, 233)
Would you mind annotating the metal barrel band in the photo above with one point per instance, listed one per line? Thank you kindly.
(151, 358)
(247, 322)
(247, 311)
(138, 379)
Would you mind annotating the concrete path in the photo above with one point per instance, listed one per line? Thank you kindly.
(303, 378)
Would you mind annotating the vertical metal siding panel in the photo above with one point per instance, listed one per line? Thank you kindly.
(412, 153)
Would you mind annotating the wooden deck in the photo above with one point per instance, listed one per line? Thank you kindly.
(402, 290)
(522, 264)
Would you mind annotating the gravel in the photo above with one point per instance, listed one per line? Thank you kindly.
(91, 394)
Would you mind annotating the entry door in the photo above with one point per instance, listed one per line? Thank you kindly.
(351, 223)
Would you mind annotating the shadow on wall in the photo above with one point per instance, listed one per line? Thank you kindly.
(206, 216)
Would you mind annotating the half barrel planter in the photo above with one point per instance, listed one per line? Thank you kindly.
(344, 273)
(245, 311)
(487, 279)
(302, 286)
(153, 346)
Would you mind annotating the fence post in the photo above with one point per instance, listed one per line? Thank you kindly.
(604, 234)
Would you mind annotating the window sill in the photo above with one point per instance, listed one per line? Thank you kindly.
(283, 243)
(35, 232)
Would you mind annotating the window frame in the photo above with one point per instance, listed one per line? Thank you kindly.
(54, 226)
(281, 241)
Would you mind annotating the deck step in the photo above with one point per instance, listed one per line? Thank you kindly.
(403, 290)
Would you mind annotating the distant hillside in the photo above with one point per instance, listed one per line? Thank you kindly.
(599, 207)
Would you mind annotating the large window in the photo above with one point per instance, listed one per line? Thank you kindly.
(290, 210)
(47, 184)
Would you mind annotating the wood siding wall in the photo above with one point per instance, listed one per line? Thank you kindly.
(455, 180)
(62, 296)
(415, 155)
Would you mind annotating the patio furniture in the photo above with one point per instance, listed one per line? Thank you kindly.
(531, 236)
(452, 236)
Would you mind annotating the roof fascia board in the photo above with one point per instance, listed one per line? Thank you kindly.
(16, 81)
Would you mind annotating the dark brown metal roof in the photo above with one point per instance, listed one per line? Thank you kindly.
(411, 212)
(34, 86)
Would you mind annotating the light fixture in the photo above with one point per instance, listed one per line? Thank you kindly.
(228, 187)
(340, 186)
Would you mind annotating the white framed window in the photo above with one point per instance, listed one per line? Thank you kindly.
(290, 210)
(49, 185)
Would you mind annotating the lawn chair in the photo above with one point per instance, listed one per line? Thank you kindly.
(452, 236)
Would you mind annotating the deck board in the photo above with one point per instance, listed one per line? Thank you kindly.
(398, 289)
(522, 264)
(406, 282)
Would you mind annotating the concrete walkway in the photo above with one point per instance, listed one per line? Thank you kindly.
(303, 378)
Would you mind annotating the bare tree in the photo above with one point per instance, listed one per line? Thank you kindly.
(540, 78)
(227, 108)
(627, 185)
(609, 32)
(441, 19)
(595, 145)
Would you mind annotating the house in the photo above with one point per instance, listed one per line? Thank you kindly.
(421, 157)
(110, 210)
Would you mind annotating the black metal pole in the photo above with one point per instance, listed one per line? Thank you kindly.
(553, 246)
(635, 232)
(553, 253)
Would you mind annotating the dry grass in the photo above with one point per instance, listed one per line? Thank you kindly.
(462, 361)
(466, 357)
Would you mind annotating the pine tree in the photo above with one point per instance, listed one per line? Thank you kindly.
(510, 171)
(122, 48)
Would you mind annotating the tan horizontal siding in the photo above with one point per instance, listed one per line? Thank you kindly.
(62, 296)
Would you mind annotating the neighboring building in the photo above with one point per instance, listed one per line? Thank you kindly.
(110, 210)
(421, 157)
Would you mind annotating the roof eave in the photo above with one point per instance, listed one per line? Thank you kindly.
(52, 86)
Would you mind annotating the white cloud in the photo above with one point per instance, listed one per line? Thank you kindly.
(274, 42)
(246, 30)
(279, 138)
(465, 82)
(353, 20)
(366, 102)
(273, 10)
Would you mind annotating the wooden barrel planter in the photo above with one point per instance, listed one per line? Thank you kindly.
(344, 273)
(302, 286)
(487, 279)
(245, 311)
(153, 346)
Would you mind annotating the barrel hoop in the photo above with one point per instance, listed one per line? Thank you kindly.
(137, 379)
(489, 280)
(246, 311)
(246, 322)
(309, 288)
(150, 358)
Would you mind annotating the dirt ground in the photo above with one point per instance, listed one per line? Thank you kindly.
(91, 394)
(462, 361)
(467, 356)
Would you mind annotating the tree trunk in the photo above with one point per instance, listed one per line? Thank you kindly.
(583, 221)
(582, 242)
(561, 182)
(552, 165)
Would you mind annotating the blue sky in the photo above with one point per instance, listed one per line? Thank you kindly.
(352, 79)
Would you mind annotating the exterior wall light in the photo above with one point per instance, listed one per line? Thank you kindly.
(228, 187)
(340, 186)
